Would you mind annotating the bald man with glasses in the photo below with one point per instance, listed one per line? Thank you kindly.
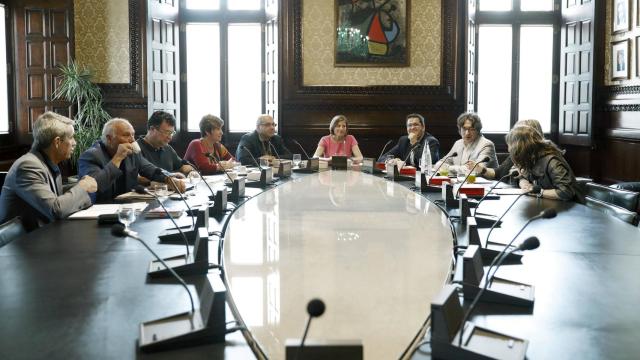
(263, 143)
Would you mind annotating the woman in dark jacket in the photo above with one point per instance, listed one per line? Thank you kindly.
(540, 162)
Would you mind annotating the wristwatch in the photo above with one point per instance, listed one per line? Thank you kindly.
(484, 171)
(539, 195)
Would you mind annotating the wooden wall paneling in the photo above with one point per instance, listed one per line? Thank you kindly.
(44, 40)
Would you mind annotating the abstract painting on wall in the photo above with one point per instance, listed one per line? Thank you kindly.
(372, 33)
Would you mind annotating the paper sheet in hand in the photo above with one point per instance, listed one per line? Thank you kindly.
(101, 209)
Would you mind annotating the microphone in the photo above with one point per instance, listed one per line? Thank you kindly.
(274, 149)
(513, 173)
(404, 162)
(315, 308)
(250, 154)
(485, 159)
(384, 148)
(141, 190)
(201, 177)
(529, 244)
(547, 213)
(301, 148)
(120, 231)
(193, 219)
(442, 163)
(210, 156)
(536, 189)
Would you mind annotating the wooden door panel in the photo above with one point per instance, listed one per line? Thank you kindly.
(44, 41)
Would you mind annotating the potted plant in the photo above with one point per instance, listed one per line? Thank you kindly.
(77, 88)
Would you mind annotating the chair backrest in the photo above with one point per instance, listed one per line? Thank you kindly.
(11, 230)
(3, 175)
(623, 198)
(623, 214)
(631, 186)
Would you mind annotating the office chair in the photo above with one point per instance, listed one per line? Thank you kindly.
(621, 213)
(623, 198)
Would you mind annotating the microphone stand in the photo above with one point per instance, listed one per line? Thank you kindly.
(202, 177)
(250, 154)
(237, 186)
(119, 230)
(384, 148)
(546, 214)
(491, 189)
(301, 148)
(467, 177)
(265, 174)
(441, 163)
(475, 302)
(140, 189)
(535, 189)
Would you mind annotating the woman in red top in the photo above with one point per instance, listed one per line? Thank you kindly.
(200, 151)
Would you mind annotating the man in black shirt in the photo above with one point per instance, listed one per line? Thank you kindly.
(155, 144)
(263, 143)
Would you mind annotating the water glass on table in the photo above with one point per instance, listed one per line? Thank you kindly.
(126, 215)
(297, 158)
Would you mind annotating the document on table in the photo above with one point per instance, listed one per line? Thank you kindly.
(508, 191)
(100, 209)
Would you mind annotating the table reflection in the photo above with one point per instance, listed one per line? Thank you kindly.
(375, 252)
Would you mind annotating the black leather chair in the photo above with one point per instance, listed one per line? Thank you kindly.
(623, 198)
(11, 230)
(3, 175)
(631, 186)
(623, 214)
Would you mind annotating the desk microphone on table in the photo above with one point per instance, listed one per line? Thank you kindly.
(454, 154)
(141, 190)
(120, 231)
(315, 308)
(201, 177)
(190, 213)
(384, 148)
(513, 173)
(250, 154)
(547, 213)
(536, 189)
(485, 159)
(404, 162)
(529, 244)
(274, 149)
(301, 148)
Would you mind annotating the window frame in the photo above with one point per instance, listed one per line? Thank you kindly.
(9, 138)
(516, 19)
(223, 17)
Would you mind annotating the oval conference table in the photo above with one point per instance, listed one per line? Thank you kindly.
(373, 250)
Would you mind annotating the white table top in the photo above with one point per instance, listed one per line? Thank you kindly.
(373, 251)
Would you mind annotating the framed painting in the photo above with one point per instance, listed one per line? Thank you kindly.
(620, 60)
(372, 33)
(621, 15)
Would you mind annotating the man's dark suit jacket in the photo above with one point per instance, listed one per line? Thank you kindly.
(401, 150)
(113, 181)
(252, 142)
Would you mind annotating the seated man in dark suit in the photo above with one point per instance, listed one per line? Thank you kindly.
(33, 187)
(115, 162)
(263, 143)
(410, 146)
(155, 145)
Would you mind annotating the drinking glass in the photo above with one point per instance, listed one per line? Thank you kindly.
(444, 170)
(161, 190)
(472, 177)
(264, 163)
(126, 215)
(297, 158)
(194, 178)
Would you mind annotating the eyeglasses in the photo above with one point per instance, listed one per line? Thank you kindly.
(412, 125)
(167, 132)
(269, 124)
(465, 129)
